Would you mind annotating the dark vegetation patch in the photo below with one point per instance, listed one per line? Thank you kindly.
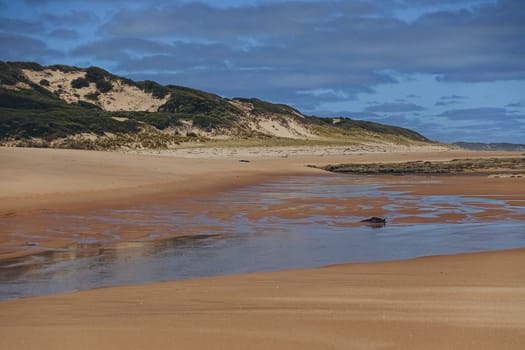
(56, 123)
(361, 125)
(260, 106)
(157, 90)
(79, 83)
(191, 101)
(436, 167)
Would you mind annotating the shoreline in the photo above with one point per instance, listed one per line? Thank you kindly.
(42, 182)
(443, 301)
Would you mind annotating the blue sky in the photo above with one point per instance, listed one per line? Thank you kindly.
(453, 70)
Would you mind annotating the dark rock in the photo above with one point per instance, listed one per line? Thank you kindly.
(375, 220)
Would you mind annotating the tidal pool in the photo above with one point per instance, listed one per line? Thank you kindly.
(295, 222)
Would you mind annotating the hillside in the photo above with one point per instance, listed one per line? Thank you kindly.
(64, 106)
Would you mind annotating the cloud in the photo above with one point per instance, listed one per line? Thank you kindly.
(452, 98)
(484, 113)
(449, 100)
(65, 34)
(344, 46)
(20, 26)
(120, 50)
(69, 18)
(19, 47)
(265, 21)
(481, 44)
(516, 105)
(394, 107)
(310, 53)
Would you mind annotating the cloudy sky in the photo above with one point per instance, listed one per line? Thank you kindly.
(450, 69)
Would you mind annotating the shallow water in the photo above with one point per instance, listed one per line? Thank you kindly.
(294, 223)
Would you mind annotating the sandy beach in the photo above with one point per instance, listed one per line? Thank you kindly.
(469, 301)
(36, 183)
(461, 301)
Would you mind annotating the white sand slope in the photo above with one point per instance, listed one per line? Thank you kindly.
(122, 97)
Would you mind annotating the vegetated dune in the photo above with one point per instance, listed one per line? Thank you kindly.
(69, 107)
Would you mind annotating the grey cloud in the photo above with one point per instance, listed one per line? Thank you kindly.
(62, 33)
(452, 98)
(445, 103)
(19, 48)
(20, 26)
(72, 18)
(475, 133)
(37, 2)
(449, 100)
(120, 49)
(196, 20)
(479, 44)
(516, 105)
(394, 107)
(485, 113)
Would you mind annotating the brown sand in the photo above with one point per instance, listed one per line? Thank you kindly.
(469, 301)
(53, 178)
(37, 183)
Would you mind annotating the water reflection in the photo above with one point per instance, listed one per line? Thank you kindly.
(296, 223)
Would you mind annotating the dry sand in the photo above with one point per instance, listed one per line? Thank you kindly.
(53, 178)
(452, 302)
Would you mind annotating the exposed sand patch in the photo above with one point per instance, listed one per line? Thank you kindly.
(122, 97)
(286, 127)
(382, 151)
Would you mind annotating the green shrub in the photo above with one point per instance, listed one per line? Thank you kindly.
(63, 68)
(79, 83)
(28, 99)
(157, 90)
(84, 104)
(208, 123)
(94, 74)
(93, 96)
(104, 85)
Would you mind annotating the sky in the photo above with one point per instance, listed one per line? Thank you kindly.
(453, 70)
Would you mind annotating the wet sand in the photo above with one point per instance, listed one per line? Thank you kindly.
(37, 183)
(468, 301)
(454, 302)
